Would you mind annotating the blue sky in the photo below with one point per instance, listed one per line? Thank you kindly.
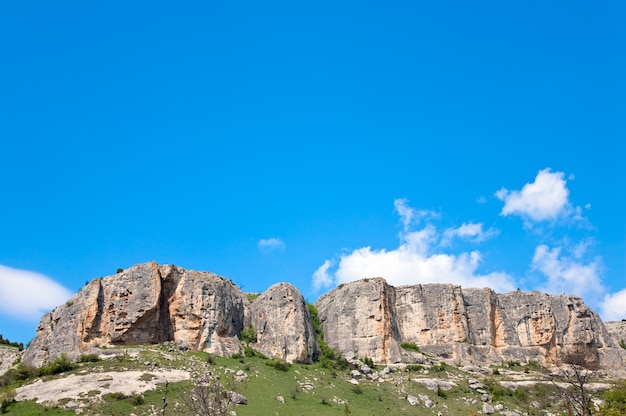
(478, 143)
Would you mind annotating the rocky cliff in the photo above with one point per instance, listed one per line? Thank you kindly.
(283, 325)
(370, 318)
(618, 332)
(149, 303)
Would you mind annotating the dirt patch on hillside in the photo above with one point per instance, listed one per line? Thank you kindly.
(83, 386)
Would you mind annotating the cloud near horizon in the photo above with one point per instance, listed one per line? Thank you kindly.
(613, 307)
(27, 295)
(569, 273)
(417, 259)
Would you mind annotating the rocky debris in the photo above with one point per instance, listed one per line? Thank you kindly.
(283, 325)
(356, 374)
(435, 384)
(488, 409)
(413, 401)
(366, 370)
(240, 376)
(71, 405)
(237, 398)
(476, 369)
(475, 384)
(477, 327)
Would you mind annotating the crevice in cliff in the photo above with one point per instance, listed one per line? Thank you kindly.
(390, 326)
(169, 284)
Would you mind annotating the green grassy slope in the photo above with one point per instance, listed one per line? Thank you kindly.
(305, 389)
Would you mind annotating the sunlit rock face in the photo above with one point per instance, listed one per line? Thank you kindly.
(145, 304)
(283, 325)
(370, 318)
(150, 303)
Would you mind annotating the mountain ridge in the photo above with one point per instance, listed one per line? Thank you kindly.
(150, 303)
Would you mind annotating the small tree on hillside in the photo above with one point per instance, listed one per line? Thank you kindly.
(209, 397)
(573, 378)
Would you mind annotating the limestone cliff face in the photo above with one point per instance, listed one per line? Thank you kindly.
(358, 320)
(144, 304)
(283, 325)
(371, 318)
(617, 330)
(149, 303)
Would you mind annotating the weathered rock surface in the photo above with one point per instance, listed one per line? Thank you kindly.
(283, 325)
(617, 330)
(8, 357)
(358, 320)
(144, 304)
(370, 318)
(149, 303)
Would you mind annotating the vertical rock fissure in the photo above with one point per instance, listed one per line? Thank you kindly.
(169, 283)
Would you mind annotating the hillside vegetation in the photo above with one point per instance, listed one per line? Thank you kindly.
(274, 387)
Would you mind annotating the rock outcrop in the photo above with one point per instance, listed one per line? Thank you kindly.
(617, 330)
(144, 304)
(149, 303)
(8, 357)
(283, 325)
(370, 318)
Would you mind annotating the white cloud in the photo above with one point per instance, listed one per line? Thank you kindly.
(270, 244)
(468, 231)
(321, 277)
(613, 307)
(568, 274)
(414, 261)
(27, 295)
(546, 199)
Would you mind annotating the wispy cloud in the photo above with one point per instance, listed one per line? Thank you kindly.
(417, 259)
(27, 295)
(468, 231)
(271, 244)
(545, 199)
(569, 273)
(410, 216)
